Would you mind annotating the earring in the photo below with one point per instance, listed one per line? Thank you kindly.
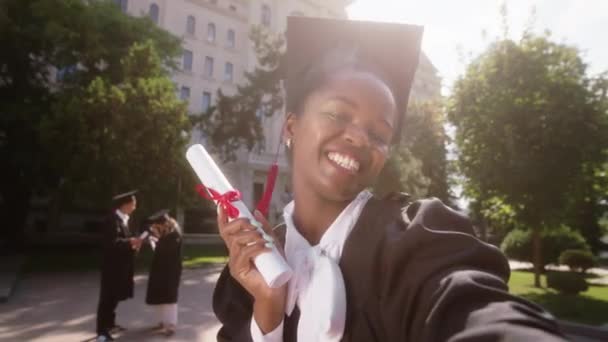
(288, 143)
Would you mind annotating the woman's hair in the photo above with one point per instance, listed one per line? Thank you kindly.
(167, 226)
(344, 57)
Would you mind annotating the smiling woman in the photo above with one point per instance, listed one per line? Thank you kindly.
(365, 269)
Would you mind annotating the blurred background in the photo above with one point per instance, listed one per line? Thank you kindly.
(507, 121)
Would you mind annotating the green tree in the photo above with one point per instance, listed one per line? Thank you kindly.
(113, 136)
(402, 173)
(84, 40)
(518, 244)
(425, 134)
(530, 125)
(234, 120)
(418, 161)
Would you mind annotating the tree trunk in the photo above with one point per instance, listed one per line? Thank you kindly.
(483, 229)
(14, 217)
(537, 255)
(55, 209)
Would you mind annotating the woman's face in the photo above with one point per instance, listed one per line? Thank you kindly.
(341, 139)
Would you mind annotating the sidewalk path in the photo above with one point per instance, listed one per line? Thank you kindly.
(61, 307)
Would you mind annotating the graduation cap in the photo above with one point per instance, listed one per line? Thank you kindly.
(124, 198)
(317, 47)
(159, 216)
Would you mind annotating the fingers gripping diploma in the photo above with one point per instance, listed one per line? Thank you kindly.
(245, 242)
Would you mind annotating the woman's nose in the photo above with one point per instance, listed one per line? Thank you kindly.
(356, 135)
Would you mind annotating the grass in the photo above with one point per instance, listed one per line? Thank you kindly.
(78, 259)
(590, 307)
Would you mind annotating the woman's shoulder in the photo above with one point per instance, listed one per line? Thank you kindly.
(430, 213)
(425, 232)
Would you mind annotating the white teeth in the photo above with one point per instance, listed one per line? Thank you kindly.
(344, 161)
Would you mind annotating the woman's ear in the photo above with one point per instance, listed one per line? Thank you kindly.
(289, 126)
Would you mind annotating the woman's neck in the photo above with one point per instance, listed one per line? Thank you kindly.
(312, 214)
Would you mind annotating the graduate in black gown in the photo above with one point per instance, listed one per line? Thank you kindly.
(119, 247)
(365, 268)
(165, 271)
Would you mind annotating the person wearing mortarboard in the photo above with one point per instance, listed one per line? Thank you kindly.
(165, 270)
(119, 247)
(365, 268)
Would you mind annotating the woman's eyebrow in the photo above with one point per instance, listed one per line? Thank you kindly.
(354, 105)
(345, 100)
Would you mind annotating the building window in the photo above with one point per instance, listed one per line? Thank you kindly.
(187, 62)
(154, 13)
(209, 66)
(231, 38)
(191, 25)
(122, 4)
(228, 72)
(206, 100)
(184, 93)
(266, 15)
(232, 8)
(211, 32)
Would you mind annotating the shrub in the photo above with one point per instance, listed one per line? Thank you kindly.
(567, 283)
(577, 260)
(518, 244)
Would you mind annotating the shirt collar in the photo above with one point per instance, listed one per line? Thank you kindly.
(124, 217)
(303, 257)
(332, 241)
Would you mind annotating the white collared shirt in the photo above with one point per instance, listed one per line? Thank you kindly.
(124, 217)
(301, 256)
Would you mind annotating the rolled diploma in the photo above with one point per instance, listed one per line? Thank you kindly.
(271, 265)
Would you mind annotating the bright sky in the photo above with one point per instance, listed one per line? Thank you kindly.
(453, 28)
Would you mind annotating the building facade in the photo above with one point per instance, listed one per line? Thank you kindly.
(217, 52)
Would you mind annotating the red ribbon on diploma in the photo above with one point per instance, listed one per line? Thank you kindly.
(223, 200)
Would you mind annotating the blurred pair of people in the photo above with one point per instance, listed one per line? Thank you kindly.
(120, 246)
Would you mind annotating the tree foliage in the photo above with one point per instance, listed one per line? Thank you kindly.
(531, 129)
(235, 119)
(108, 137)
(518, 244)
(86, 41)
(418, 161)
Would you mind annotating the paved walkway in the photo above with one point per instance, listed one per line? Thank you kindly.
(61, 307)
(601, 272)
(56, 307)
(10, 266)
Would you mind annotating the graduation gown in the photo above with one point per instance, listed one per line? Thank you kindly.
(166, 270)
(413, 273)
(117, 260)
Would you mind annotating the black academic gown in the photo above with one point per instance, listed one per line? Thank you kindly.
(412, 274)
(117, 260)
(166, 270)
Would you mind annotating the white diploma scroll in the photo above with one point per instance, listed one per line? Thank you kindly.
(271, 265)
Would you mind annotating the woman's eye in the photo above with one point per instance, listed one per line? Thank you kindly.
(378, 138)
(338, 117)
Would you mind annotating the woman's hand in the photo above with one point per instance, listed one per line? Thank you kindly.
(245, 243)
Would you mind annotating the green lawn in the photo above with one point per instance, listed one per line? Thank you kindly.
(75, 259)
(590, 307)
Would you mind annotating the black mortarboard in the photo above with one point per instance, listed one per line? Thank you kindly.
(316, 45)
(159, 216)
(124, 198)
